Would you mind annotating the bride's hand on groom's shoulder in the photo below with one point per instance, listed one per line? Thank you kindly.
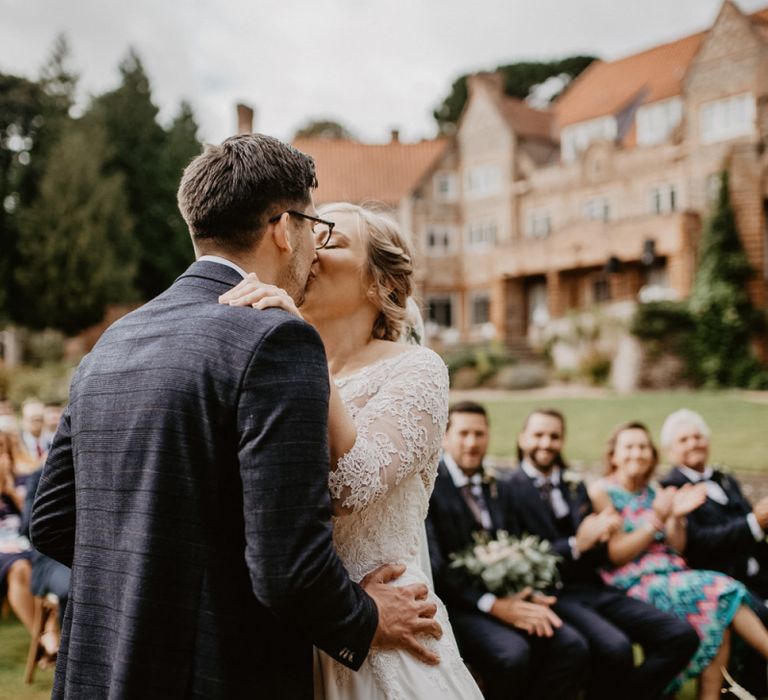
(404, 613)
(252, 292)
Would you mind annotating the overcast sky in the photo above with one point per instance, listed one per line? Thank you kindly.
(371, 66)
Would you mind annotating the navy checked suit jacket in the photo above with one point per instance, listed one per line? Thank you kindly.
(187, 489)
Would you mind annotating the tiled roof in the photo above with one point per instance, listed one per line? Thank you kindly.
(348, 171)
(605, 88)
(525, 120)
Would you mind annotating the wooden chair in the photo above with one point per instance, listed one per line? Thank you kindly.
(45, 606)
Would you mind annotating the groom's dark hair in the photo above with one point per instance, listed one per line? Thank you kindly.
(229, 191)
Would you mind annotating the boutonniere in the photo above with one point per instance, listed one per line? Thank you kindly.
(723, 469)
(489, 480)
(571, 481)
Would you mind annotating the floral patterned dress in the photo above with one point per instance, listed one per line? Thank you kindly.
(708, 600)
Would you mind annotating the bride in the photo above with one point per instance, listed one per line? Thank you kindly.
(387, 416)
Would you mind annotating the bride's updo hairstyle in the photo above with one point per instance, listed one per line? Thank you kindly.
(389, 266)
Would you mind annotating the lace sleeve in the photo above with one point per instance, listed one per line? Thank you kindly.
(399, 430)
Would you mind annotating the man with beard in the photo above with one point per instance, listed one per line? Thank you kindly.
(549, 504)
(510, 640)
(187, 485)
(726, 533)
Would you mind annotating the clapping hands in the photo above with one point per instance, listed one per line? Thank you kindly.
(597, 527)
(687, 499)
(678, 502)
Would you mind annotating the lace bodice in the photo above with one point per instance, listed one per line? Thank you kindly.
(400, 407)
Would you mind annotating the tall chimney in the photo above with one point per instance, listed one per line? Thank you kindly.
(394, 136)
(244, 119)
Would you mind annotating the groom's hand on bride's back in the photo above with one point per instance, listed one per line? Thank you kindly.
(404, 613)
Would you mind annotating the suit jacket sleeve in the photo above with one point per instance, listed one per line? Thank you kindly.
(721, 538)
(29, 499)
(282, 417)
(592, 558)
(52, 521)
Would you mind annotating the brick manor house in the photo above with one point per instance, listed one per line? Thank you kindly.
(524, 215)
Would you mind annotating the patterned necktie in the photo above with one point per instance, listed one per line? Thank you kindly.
(473, 496)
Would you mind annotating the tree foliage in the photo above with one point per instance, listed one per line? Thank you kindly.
(76, 252)
(712, 331)
(150, 160)
(323, 129)
(88, 211)
(519, 79)
(32, 117)
(725, 319)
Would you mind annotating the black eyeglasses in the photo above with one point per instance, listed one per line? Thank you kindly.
(322, 235)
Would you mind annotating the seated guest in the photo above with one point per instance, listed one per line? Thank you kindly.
(15, 554)
(48, 575)
(726, 533)
(518, 643)
(646, 560)
(51, 418)
(547, 503)
(32, 431)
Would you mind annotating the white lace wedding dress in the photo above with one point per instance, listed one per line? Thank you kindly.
(400, 408)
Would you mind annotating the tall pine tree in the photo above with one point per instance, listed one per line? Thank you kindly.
(725, 320)
(139, 151)
(76, 250)
(182, 145)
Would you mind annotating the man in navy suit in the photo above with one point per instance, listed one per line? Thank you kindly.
(726, 533)
(518, 643)
(187, 485)
(557, 508)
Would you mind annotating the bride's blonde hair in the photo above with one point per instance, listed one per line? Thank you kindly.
(389, 265)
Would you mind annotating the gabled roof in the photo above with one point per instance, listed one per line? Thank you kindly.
(349, 171)
(523, 119)
(527, 121)
(605, 88)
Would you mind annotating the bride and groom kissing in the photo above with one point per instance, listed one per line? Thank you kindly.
(238, 523)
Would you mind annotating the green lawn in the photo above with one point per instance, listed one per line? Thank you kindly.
(740, 440)
(14, 645)
(739, 425)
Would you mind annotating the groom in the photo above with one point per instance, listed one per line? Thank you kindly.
(187, 483)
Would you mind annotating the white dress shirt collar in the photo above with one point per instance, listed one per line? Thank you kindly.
(538, 477)
(714, 490)
(223, 261)
(696, 476)
(460, 479)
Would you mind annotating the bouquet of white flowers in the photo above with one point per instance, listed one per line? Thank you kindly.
(506, 565)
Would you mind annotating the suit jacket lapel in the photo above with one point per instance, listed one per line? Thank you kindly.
(491, 494)
(539, 510)
(449, 493)
(574, 502)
